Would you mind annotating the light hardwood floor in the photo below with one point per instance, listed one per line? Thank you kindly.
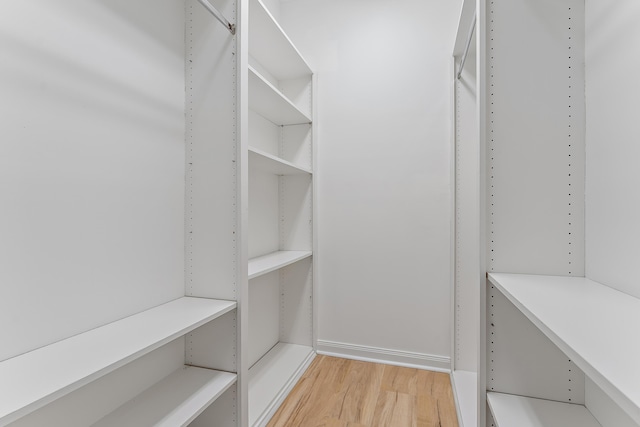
(336, 392)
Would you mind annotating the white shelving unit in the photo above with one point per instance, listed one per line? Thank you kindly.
(273, 377)
(518, 411)
(271, 46)
(555, 348)
(274, 261)
(592, 336)
(274, 165)
(31, 380)
(280, 150)
(175, 401)
(270, 103)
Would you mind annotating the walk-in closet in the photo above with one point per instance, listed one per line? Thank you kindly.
(297, 213)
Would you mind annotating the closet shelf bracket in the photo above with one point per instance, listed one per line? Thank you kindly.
(231, 27)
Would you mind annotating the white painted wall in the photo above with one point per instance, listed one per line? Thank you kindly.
(91, 165)
(613, 200)
(612, 177)
(383, 172)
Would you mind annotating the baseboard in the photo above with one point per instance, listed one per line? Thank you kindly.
(386, 356)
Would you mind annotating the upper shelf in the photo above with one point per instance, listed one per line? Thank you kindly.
(274, 261)
(266, 100)
(595, 325)
(510, 410)
(272, 164)
(31, 380)
(271, 47)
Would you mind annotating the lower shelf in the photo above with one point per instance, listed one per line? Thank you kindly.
(465, 388)
(516, 411)
(273, 376)
(174, 401)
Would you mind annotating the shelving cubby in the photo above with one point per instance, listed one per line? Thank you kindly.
(280, 220)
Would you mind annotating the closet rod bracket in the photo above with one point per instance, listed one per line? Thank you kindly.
(231, 27)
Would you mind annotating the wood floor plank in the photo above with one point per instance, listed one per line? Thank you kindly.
(337, 392)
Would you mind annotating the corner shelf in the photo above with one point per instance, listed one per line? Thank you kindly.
(509, 411)
(273, 164)
(274, 261)
(564, 308)
(174, 401)
(269, 44)
(31, 380)
(266, 100)
(271, 378)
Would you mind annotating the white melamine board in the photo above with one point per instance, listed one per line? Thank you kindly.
(214, 344)
(174, 401)
(296, 303)
(263, 134)
(34, 379)
(605, 410)
(465, 389)
(296, 212)
(469, 275)
(91, 165)
(272, 47)
(274, 261)
(521, 360)
(596, 326)
(212, 162)
(297, 145)
(613, 202)
(270, 378)
(535, 137)
(299, 92)
(269, 102)
(223, 412)
(264, 213)
(272, 164)
(264, 315)
(517, 411)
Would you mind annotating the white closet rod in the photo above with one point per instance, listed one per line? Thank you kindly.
(466, 49)
(231, 27)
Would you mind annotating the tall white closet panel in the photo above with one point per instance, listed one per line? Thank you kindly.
(535, 182)
(467, 273)
(535, 137)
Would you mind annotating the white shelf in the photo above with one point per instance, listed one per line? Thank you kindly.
(31, 380)
(274, 261)
(269, 44)
(516, 411)
(175, 401)
(273, 164)
(266, 100)
(273, 376)
(594, 325)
